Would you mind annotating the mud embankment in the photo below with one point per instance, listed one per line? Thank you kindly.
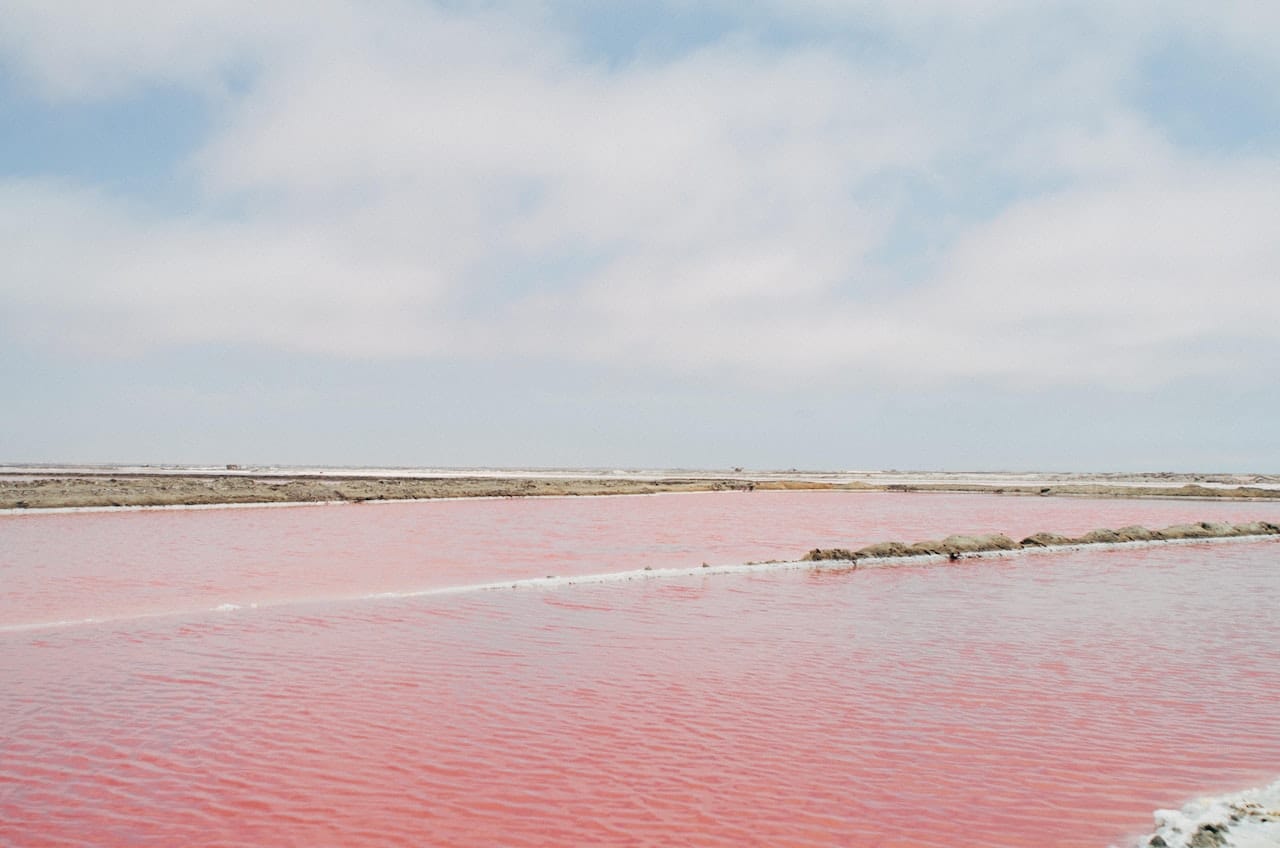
(1092, 490)
(44, 490)
(958, 546)
(198, 490)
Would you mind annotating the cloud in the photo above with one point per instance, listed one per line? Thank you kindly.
(1129, 284)
(77, 51)
(399, 180)
(89, 273)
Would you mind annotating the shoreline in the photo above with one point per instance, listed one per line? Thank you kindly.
(32, 489)
(135, 491)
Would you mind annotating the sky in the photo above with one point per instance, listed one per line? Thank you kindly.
(949, 234)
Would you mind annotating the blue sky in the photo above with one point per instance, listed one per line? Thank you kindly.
(975, 234)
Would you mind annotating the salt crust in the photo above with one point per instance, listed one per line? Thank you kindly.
(1248, 819)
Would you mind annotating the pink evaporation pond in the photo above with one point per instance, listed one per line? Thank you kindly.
(68, 567)
(1046, 699)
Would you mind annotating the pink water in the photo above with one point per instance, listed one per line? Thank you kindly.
(74, 566)
(1040, 700)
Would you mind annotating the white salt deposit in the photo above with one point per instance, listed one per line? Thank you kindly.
(1248, 819)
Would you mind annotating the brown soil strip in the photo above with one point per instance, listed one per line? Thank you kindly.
(57, 491)
(1097, 490)
(175, 490)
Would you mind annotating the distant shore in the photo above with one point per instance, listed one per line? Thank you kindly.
(45, 487)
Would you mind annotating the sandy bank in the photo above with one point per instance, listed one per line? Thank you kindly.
(171, 490)
(50, 488)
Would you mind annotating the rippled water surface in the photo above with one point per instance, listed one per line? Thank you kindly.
(1053, 699)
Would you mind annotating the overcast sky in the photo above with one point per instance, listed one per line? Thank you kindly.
(864, 234)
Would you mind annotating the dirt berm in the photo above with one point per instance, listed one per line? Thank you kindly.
(956, 546)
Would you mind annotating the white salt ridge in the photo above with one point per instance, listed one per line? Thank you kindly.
(555, 582)
(1248, 819)
(137, 616)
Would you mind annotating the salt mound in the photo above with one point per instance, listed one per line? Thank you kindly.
(1249, 819)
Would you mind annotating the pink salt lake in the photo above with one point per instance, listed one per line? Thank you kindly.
(1053, 699)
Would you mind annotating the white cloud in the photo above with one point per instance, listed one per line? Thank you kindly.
(1118, 284)
(74, 50)
(394, 162)
(87, 272)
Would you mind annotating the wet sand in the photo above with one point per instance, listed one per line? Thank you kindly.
(109, 486)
